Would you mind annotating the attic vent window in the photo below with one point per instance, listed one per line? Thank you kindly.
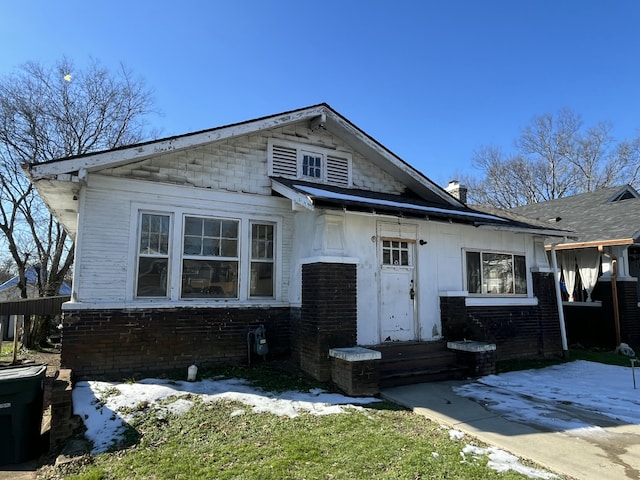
(311, 163)
(312, 166)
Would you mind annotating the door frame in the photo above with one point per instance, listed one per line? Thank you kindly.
(402, 232)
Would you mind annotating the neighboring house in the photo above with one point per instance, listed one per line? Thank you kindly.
(300, 222)
(9, 291)
(605, 259)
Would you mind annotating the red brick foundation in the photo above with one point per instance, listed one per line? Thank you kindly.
(517, 331)
(117, 344)
(63, 422)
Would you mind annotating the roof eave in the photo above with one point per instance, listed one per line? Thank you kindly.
(597, 243)
(141, 151)
(530, 230)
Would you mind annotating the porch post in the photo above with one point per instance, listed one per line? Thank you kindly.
(556, 274)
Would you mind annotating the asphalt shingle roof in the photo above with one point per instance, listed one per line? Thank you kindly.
(593, 216)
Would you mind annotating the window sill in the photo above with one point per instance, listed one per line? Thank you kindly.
(162, 303)
(500, 301)
(596, 303)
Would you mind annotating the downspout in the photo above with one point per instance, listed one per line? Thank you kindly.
(556, 274)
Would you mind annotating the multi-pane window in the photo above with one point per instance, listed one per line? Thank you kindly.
(494, 273)
(210, 258)
(205, 258)
(395, 252)
(262, 260)
(311, 166)
(153, 255)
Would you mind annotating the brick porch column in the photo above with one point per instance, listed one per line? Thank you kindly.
(328, 315)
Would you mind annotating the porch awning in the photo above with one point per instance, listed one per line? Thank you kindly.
(310, 195)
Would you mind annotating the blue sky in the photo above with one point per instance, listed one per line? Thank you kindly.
(431, 80)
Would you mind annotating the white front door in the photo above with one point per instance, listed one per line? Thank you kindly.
(398, 294)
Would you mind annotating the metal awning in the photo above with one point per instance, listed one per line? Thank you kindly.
(311, 195)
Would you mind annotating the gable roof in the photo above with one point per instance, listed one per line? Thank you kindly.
(609, 216)
(58, 181)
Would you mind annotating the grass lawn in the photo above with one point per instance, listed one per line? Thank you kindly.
(227, 440)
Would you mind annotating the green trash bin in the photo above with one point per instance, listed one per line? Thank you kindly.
(21, 398)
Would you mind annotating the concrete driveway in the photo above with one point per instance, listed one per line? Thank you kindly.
(614, 453)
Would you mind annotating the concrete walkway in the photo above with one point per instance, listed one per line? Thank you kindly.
(614, 455)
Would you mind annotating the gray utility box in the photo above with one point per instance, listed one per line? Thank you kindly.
(21, 398)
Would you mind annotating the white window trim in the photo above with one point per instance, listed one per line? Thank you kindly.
(175, 257)
(274, 261)
(410, 249)
(136, 251)
(184, 256)
(302, 152)
(471, 296)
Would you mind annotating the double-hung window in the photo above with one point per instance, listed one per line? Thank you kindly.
(262, 260)
(210, 258)
(153, 255)
(493, 273)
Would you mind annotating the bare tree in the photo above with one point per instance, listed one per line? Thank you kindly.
(6, 270)
(51, 113)
(554, 156)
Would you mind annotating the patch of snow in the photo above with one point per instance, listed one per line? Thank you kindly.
(106, 408)
(502, 461)
(456, 434)
(562, 397)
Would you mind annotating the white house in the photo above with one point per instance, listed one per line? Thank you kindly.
(300, 222)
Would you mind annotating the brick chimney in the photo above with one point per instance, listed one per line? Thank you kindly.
(456, 190)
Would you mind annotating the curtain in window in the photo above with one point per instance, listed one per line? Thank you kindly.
(588, 264)
(568, 262)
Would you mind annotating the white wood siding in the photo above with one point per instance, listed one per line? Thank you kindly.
(438, 263)
(108, 245)
(240, 164)
(103, 257)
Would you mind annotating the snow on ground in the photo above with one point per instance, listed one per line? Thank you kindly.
(554, 397)
(497, 459)
(570, 396)
(502, 461)
(106, 407)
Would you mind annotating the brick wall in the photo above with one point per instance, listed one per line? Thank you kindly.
(356, 379)
(122, 344)
(517, 331)
(589, 326)
(477, 364)
(63, 422)
(328, 317)
(629, 314)
(628, 310)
